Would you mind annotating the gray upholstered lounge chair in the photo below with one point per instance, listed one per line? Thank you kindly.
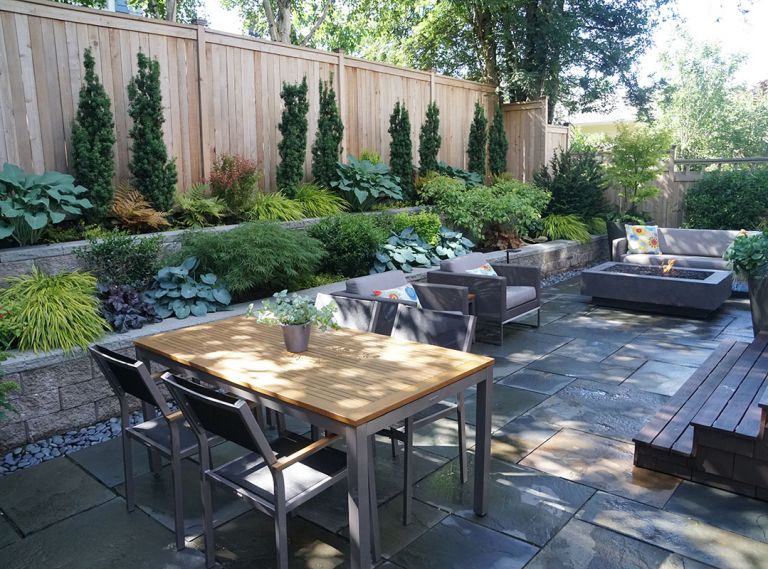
(445, 297)
(514, 293)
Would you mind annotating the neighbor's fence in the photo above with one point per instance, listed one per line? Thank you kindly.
(220, 91)
(532, 141)
(667, 209)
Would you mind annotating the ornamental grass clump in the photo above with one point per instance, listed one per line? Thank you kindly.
(49, 312)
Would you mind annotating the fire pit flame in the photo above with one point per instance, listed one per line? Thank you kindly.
(666, 268)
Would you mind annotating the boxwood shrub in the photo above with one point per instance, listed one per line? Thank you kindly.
(350, 241)
(735, 199)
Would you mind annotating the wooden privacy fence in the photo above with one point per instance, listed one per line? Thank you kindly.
(221, 92)
(532, 141)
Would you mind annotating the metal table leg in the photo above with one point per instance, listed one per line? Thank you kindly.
(358, 463)
(483, 442)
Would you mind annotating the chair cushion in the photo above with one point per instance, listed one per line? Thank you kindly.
(463, 263)
(364, 286)
(517, 295)
(485, 269)
(695, 242)
(643, 239)
(251, 472)
(689, 261)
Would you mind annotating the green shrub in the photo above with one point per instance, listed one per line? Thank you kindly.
(429, 140)
(29, 203)
(178, 291)
(293, 144)
(471, 179)
(235, 180)
(401, 148)
(597, 226)
(571, 227)
(478, 140)
(577, 183)
(497, 144)
(330, 130)
(371, 155)
(117, 258)
(274, 206)
(735, 199)
(196, 208)
(53, 312)
(320, 279)
(351, 242)
(92, 140)
(363, 184)
(427, 225)
(319, 202)
(434, 184)
(257, 257)
(154, 175)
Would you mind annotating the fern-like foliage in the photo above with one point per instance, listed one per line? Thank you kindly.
(196, 208)
(569, 227)
(319, 202)
(133, 212)
(274, 206)
(49, 312)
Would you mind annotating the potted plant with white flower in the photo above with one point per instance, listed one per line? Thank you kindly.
(296, 315)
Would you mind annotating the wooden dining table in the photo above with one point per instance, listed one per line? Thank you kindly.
(348, 382)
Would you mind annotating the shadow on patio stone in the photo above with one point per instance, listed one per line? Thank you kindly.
(518, 438)
(660, 377)
(105, 461)
(535, 380)
(508, 403)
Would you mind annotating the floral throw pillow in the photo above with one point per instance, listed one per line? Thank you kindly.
(643, 239)
(485, 269)
(405, 292)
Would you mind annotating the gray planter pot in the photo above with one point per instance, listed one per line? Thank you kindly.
(758, 300)
(296, 337)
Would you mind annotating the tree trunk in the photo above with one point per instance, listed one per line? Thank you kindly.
(170, 10)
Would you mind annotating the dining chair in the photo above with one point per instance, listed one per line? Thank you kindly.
(354, 313)
(275, 477)
(454, 331)
(168, 434)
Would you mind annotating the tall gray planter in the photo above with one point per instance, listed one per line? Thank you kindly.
(758, 300)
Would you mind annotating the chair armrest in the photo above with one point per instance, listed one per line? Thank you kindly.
(518, 275)
(618, 248)
(490, 291)
(449, 298)
(299, 455)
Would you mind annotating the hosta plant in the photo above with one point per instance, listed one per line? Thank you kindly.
(124, 309)
(30, 202)
(178, 292)
(363, 183)
(404, 251)
(452, 244)
(293, 310)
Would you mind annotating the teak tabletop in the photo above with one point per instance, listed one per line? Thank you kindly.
(350, 376)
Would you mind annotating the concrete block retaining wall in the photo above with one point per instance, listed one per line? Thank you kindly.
(62, 392)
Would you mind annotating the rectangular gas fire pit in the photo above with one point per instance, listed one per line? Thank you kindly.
(684, 291)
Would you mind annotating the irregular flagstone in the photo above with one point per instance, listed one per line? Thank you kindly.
(458, 544)
(47, 493)
(660, 377)
(680, 534)
(507, 403)
(105, 537)
(584, 369)
(518, 438)
(523, 503)
(535, 380)
(601, 463)
(614, 411)
(732, 512)
(248, 542)
(584, 546)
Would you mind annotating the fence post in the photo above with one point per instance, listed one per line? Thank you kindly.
(202, 89)
(342, 78)
(672, 160)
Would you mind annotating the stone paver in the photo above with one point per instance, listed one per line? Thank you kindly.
(518, 438)
(614, 411)
(508, 403)
(440, 438)
(7, 534)
(535, 380)
(583, 546)
(523, 346)
(660, 377)
(48, 493)
(680, 534)
(666, 352)
(522, 502)
(582, 349)
(105, 461)
(601, 463)
(458, 544)
(585, 369)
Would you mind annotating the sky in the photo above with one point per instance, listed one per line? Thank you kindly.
(705, 20)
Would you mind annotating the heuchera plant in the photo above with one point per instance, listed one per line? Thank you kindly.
(124, 309)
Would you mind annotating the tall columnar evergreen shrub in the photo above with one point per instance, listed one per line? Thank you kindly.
(330, 129)
(478, 138)
(401, 148)
(92, 141)
(293, 127)
(497, 144)
(154, 175)
(429, 140)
